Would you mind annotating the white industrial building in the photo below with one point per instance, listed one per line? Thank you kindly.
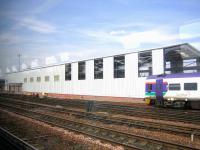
(112, 76)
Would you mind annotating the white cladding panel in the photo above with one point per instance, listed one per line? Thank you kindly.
(42, 86)
(130, 86)
(158, 61)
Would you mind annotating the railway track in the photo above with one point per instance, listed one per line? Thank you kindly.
(173, 129)
(187, 116)
(130, 141)
(12, 142)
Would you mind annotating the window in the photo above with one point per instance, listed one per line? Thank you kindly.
(98, 68)
(67, 71)
(149, 87)
(25, 80)
(38, 79)
(159, 87)
(144, 64)
(81, 70)
(181, 59)
(174, 87)
(119, 66)
(31, 79)
(56, 78)
(46, 78)
(190, 86)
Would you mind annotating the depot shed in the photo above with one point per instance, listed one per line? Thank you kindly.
(110, 77)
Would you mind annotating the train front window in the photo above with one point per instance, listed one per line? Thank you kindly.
(159, 87)
(149, 87)
(190, 86)
(174, 87)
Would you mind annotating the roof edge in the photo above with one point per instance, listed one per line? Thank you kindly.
(63, 63)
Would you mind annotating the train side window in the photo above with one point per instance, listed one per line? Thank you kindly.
(174, 87)
(190, 86)
(149, 87)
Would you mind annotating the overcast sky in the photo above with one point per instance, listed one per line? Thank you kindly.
(46, 32)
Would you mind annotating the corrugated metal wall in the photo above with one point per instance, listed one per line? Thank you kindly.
(130, 86)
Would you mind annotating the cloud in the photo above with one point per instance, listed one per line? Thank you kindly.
(14, 69)
(190, 30)
(131, 39)
(196, 45)
(34, 63)
(46, 5)
(7, 70)
(119, 32)
(36, 25)
(64, 56)
(134, 40)
(24, 66)
(50, 60)
(9, 38)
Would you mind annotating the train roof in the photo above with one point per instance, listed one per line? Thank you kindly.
(177, 75)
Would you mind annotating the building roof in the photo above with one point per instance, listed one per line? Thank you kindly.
(177, 75)
(194, 50)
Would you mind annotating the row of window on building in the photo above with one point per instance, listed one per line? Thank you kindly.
(173, 63)
(39, 79)
(144, 67)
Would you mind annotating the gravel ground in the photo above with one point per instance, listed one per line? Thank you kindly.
(60, 139)
(156, 134)
(159, 135)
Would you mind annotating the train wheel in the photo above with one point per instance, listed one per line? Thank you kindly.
(159, 103)
(179, 104)
(195, 104)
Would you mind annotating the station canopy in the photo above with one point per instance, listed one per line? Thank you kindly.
(181, 59)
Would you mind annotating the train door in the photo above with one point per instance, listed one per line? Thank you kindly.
(159, 92)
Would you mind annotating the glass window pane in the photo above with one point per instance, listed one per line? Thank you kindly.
(67, 71)
(190, 86)
(38, 79)
(181, 59)
(98, 69)
(174, 87)
(31, 79)
(56, 78)
(145, 64)
(119, 66)
(46, 78)
(81, 70)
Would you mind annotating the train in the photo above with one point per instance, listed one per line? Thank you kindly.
(180, 90)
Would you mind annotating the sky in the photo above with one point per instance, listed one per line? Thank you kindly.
(46, 32)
